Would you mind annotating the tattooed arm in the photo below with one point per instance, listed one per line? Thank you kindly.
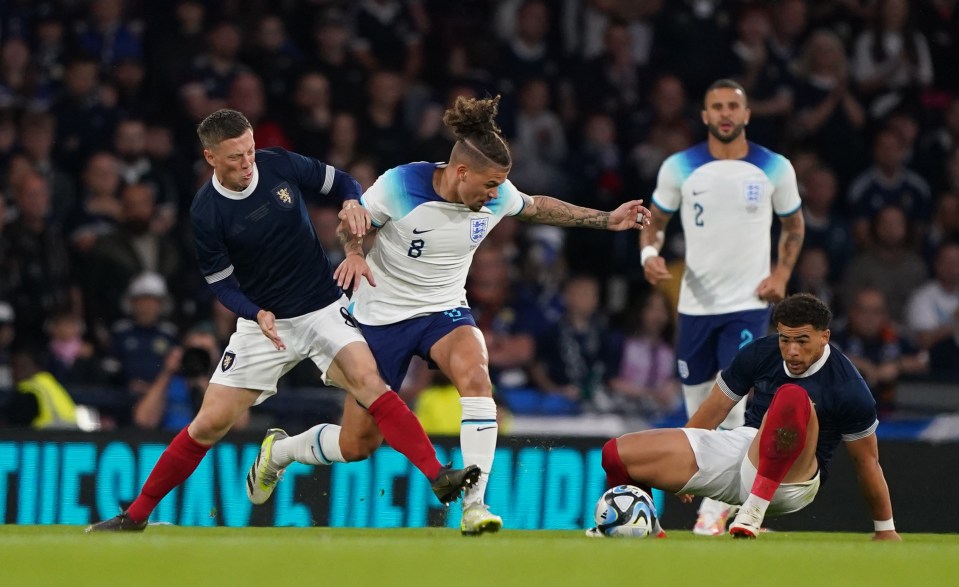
(773, 288)
(547, 210)
(353, 267)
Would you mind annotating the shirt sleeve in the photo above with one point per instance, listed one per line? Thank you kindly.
(376, 199)
(211, 252)
(668, 194)
(317, 177)
(858, 411)
(736, 380)
(513, 202)
(786, 198)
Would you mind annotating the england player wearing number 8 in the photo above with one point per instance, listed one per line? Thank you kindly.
(726, 191)
(430, 218)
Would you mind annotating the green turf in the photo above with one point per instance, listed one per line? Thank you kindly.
(295, 557)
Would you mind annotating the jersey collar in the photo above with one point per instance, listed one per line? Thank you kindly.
(813, 369)
(228, 193)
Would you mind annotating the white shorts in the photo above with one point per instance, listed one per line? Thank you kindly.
(251, 361)
(726, 474)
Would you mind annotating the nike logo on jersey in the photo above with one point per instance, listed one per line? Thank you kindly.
(415, 231)
(695, 193)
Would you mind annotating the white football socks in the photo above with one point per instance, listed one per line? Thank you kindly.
(320, 445)
(478, 431)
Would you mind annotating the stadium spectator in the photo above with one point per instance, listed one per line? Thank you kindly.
(526, 53)
(812, 276)
(247, 96)
(130, 250)
(310, 118)
(891, 62)
(646, 384)
(383, 129)
(140, 341)
(85, 121)
(275, 59)
(106, 35)
(929, 314)
(40, 400)
(344, 140)
(827, 116)
(577, 356)
(173, 398)
(7, 334)
(888, 264)
(99, 211)
(944, 355)
(613, 82)
(333, 58)
(173, 39)
(218, 66)
(723, 306)
(70, 358)
(877, 349)
(826, 228)
(539, 147)
(38, 269)
(944, 227)
(775, 464)
(37, 134)
(387, 37)
(136, 167)
(888, 182)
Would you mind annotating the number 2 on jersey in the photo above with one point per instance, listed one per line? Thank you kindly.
(416, 247)
(699, 214)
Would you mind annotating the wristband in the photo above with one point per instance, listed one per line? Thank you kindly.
(884, 525)
(645, 254)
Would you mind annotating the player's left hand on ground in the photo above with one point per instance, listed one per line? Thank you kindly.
(356, 216)
(631, 214)
(887, 535)
(349, 272)
(267, 321)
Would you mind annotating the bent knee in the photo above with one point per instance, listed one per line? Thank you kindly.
(359, 449)
(476, 383)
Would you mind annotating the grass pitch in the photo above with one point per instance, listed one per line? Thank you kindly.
(164, 555)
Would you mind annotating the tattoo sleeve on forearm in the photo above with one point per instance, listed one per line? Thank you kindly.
(351, 244)
(791, 239)
(547, 210)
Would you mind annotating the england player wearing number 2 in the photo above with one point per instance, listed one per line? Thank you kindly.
(726, 191)
(259, 253)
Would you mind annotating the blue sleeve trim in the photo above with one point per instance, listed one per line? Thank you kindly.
(230, 295)
(663, 208)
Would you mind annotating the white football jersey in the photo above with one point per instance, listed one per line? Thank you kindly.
(726, 207)
(424, 244)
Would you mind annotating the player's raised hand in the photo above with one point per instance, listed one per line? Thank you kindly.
(349, 272)
(655, 270)
(631, 214)
(356, 216)
(267, 322)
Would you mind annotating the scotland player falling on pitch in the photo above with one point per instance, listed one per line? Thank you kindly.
(430, 219)
(807, 398)
(726, 191)
(259, 253)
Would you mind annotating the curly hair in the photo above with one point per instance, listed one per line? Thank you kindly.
(801, 309)
(473, 122)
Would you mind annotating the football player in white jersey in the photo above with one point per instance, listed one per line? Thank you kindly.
(726, 191)
(430, 218)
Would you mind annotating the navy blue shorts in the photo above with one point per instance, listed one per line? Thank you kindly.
(395, 345)
(708, 344)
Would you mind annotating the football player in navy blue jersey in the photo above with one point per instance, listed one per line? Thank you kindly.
(258, 251)
(807, 398)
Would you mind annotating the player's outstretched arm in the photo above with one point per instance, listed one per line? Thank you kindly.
(713, 411)
(548, 210)
(872, 483)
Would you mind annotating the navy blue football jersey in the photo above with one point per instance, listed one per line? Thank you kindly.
(844, 405)
(264, 237)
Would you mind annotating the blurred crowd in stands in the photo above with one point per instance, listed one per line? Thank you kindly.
(100, 295)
